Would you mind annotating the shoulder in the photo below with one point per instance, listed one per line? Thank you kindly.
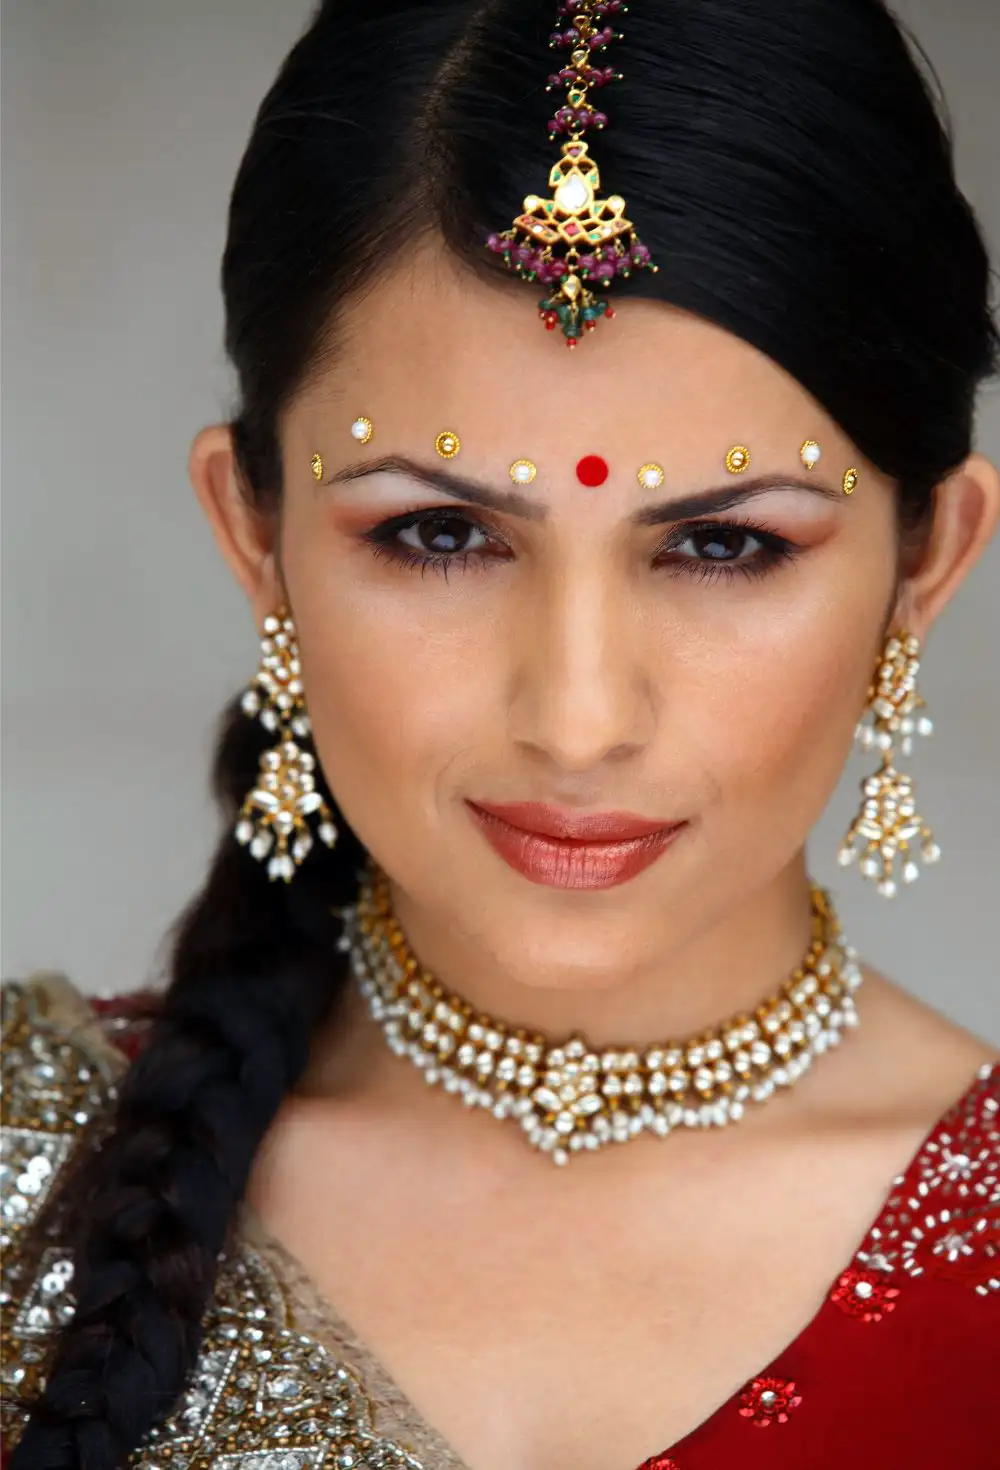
(901, 1070)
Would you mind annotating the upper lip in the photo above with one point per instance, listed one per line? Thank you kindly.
(556, 821)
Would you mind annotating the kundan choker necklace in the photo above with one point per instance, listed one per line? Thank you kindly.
(569, 1098)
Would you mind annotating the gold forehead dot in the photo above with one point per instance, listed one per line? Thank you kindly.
(317, 466)
(810, 454)
(738, 459)
(850, 481)
(523, 471)
(447, 444)
(362, 429)
(650, 476)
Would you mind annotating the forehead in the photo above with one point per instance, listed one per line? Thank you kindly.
(431, 346)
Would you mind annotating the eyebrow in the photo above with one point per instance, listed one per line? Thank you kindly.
(512, 502)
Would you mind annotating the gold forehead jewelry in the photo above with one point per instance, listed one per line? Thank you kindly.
(650, 476)
(447, 444)
(575, 242)
(317, 466)
(850, 481)
(568, 1097)
(362, 429)
(738, 459)
(810, 454)
(523, 471)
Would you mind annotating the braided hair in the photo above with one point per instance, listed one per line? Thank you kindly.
(818, 222)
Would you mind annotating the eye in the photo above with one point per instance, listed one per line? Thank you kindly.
(442, 535)
(724, 548)
(719, 543)
(434, 539)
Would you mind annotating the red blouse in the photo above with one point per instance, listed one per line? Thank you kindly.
(900, 1367)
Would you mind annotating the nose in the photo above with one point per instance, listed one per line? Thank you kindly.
(581, 694)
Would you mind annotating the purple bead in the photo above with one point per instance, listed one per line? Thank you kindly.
(605, 271)
(587, 263)
(600, 120)
(523, 254)
(497, 243)
(641, 254)
(557, 269)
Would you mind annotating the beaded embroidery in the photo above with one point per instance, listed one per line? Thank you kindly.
(943, 1215)
(262, 1396)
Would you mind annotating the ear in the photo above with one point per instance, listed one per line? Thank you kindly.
(966, 511)
(246, 537)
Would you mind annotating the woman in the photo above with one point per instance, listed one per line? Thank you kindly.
(562, 655)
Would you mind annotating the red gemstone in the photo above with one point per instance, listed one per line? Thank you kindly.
(592, 470)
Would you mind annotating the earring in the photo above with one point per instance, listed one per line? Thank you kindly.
(272, 819)
(888, 826)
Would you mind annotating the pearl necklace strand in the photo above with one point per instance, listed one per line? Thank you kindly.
(569, 1098)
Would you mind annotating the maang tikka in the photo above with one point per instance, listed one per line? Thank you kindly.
(576, 242)
(888, 828)
(273, 819)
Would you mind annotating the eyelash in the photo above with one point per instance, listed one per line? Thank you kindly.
(774, 549)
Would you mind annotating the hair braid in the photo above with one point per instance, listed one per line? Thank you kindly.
(255, 968)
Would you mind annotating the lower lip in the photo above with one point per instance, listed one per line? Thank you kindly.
(563, 863)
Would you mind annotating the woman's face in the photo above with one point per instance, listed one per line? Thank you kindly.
(708, 671)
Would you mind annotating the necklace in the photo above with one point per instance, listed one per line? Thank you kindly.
(568, 1097)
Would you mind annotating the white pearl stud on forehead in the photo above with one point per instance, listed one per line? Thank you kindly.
(738, 459)
(362, 429)
(522, 471)
(811, 454)
(650, 476)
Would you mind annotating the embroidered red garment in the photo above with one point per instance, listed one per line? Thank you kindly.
(900, 1367)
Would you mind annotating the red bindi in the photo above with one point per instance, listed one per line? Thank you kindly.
(592, 470)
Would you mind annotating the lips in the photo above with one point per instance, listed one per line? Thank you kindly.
(588, 858)
(547, 820)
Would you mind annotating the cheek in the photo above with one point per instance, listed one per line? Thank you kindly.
(781, 722)
(395, 689)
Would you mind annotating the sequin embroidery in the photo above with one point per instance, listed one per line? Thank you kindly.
(767, 1401)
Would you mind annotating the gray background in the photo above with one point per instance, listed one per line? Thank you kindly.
(123, 635)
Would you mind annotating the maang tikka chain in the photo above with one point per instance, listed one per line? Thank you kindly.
(888, 828)
(273, 819)
(575, 242)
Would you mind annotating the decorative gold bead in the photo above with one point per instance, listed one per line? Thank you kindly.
(362, 429)
(522, 471)
(738, 459)
(650, 476)
(850, 481)
(317, 466)
(447, 444)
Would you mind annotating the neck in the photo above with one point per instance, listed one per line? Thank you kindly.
(709, 976)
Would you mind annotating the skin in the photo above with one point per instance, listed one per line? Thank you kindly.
(541, 1317)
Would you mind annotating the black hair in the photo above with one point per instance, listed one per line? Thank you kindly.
(790, 167)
